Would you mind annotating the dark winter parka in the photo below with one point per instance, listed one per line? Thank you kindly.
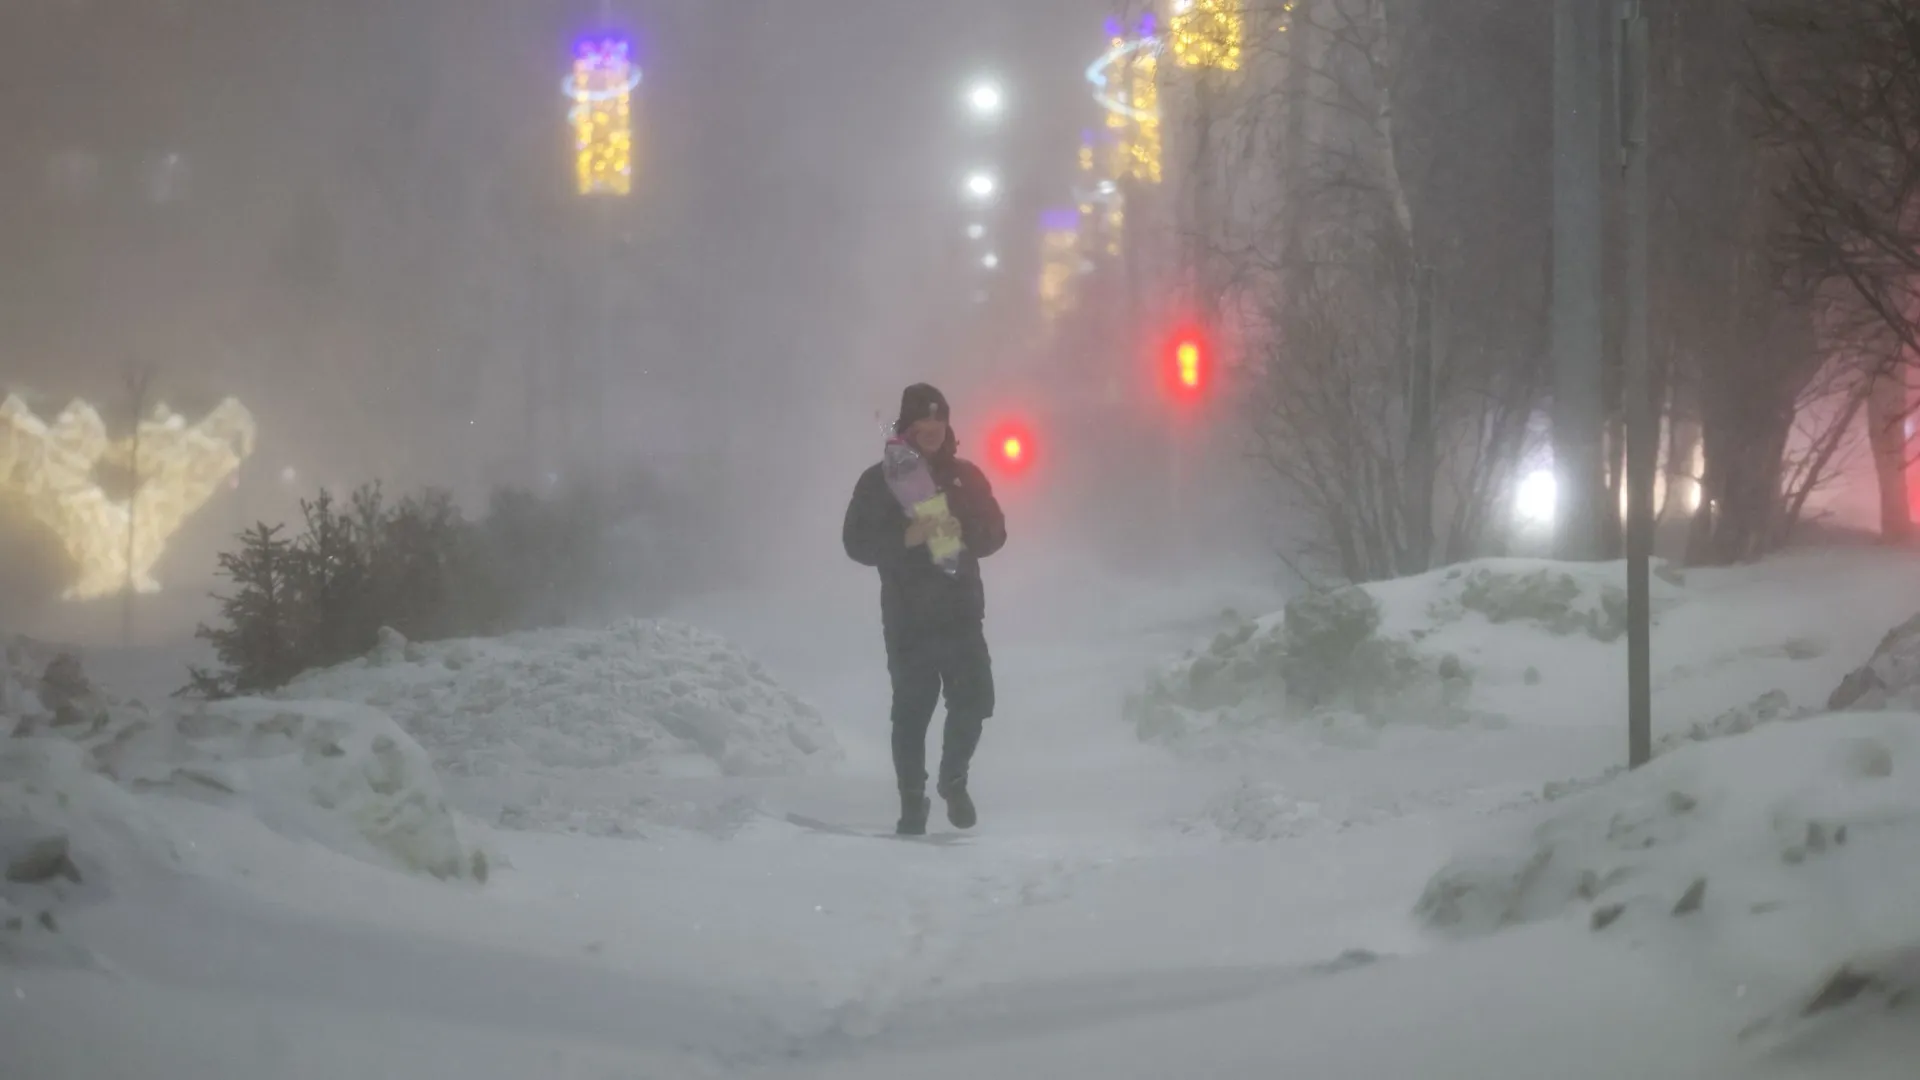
(917, 598)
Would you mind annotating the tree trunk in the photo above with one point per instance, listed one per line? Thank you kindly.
(1745, 450)
(1886, 434)
(1578, 300)
(1614, 537)
(1423, 452)
(1683, 447)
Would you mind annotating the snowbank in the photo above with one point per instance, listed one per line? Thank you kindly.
(1394, 654)
(23, 660)
(65, 831)
(1516, 642)
(341, 775)
(1890, 679)
(563, 729)
(1786, 860)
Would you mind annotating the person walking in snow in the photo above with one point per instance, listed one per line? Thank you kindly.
(933, 619)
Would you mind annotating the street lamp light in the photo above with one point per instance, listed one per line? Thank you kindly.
(990, 261)
(981, 185)
(986, 100)
(976, 230)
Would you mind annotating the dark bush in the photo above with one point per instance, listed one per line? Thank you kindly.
(417, 565)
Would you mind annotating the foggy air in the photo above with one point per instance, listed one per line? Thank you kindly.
(1054, 538)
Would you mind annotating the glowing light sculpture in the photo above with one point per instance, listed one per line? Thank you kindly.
(1207, 33)
(602, 87)
(50, 470)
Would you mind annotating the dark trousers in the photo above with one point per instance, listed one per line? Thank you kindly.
(953, 661)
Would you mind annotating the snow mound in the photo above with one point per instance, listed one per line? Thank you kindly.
(1256, 811)
(1560, 598)
(1787, 855)
(562, 730)
(1483, 645)
(339, 774)
(22, 662)
(65, 830)
(1890, 679)
(1322, 662)
(1772, 707)
(342, 775)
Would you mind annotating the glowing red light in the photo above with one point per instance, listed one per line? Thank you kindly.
(1186, 361)
(1187, 357)
(1013, 447)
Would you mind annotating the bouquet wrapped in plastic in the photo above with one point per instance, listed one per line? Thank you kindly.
(911, 482)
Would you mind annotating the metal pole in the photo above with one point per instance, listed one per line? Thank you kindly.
(1578, 283)
(1643, 426)
(610, 260)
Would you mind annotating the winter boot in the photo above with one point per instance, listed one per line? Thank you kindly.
(960, 810)
(914, 808)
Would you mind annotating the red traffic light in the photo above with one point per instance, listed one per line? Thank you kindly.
(1012, 448)
(1188, 364)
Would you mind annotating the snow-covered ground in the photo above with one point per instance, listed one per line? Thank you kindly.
(1211, 846)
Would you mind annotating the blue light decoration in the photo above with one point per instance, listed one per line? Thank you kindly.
(1126, 83)
(1060, 219)
(1121, 55)
(601, 87)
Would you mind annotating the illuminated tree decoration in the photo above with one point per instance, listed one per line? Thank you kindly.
(1126, 80)
(1207, 33)
(1060, 261)
(51, 472)
(1085, 189)
(602, 86)
(1142, 146)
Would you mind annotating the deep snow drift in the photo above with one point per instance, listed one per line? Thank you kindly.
(1096, 924)
(564, 730)
(321, 771)
(1785, 862)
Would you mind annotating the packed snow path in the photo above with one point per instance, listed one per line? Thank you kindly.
(1095, 924)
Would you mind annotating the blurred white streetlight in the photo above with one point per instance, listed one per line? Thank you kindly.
(1536, 501)
(990, 260)
(985, 99)
(981, 185)
(976, 230)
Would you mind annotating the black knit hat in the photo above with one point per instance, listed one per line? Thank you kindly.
(920, 402)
